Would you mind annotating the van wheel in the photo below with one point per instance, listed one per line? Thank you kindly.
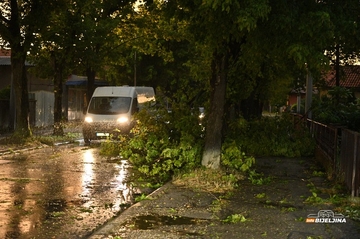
(86, 141)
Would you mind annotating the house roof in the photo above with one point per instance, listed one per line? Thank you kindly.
(5, 52)
(349, 77)
(6, 61)
(5, 58)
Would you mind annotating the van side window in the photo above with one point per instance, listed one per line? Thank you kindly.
(135, 107)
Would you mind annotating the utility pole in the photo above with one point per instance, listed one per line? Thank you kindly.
(135, 68)
(309, 91)
(298, 97)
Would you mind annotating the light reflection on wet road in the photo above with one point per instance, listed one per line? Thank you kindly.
(60, 192)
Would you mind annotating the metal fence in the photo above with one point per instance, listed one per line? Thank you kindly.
(349, 158)
(6, 125)
(341, 147)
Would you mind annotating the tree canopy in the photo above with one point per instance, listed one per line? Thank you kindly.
(231, 56)
(19, 26)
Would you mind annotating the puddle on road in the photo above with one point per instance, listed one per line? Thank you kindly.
(54, 207)
(67, 190)
(146, 222)
(153, 222)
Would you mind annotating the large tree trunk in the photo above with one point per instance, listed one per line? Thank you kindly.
(22, 127)
(58, 91)
(18, 71)
(213, 138)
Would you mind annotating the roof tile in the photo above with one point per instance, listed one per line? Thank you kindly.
(349, 77)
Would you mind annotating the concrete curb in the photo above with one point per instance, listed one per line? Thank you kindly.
(112, 226)
(20, 150)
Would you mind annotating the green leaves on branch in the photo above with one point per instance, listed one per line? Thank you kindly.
(338, 107)
(156, 151)
(233, 158)
(245, 14)
(272, 136)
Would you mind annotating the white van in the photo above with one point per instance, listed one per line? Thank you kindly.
(111, 108)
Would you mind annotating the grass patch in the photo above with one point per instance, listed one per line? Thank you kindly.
(349, 206)
(208, 180)
(51, 139)
(318, 174)
(142, 197)
(217, 205)
(57, 214)
(88, 210)
(258, 178)
(235, 218)
(260, 195)
(12, 144)
(336, 196)
(288, 209)
(18, 180)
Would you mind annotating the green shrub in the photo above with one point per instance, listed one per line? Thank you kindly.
(339, 107)
(5, 93)
(272, 136)
(110, 148)
(232, 157)
(160, 144)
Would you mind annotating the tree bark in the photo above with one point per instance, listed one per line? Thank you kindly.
(22, 126)
(58, 91)
(213, 138)
(18, 71)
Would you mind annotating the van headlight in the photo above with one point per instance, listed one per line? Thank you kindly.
(88, 119)
(122, 120)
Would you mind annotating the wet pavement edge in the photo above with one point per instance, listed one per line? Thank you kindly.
(113, 226)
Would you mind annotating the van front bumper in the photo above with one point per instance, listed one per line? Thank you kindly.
(97, 130)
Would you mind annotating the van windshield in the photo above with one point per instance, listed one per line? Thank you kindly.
(109, 105)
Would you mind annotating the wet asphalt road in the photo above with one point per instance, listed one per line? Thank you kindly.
(60, 192)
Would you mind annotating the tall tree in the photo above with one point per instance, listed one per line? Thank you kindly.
(344, 48)
(256, 45)
(161, 51)
(96, 23)
(81, 38)
(53, 55)
(219, 25)
(276, 51)
(19, 24)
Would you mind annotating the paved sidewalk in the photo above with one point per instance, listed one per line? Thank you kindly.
(273, 210)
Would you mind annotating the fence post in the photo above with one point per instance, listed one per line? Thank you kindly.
(353, 189)
(336, 152)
